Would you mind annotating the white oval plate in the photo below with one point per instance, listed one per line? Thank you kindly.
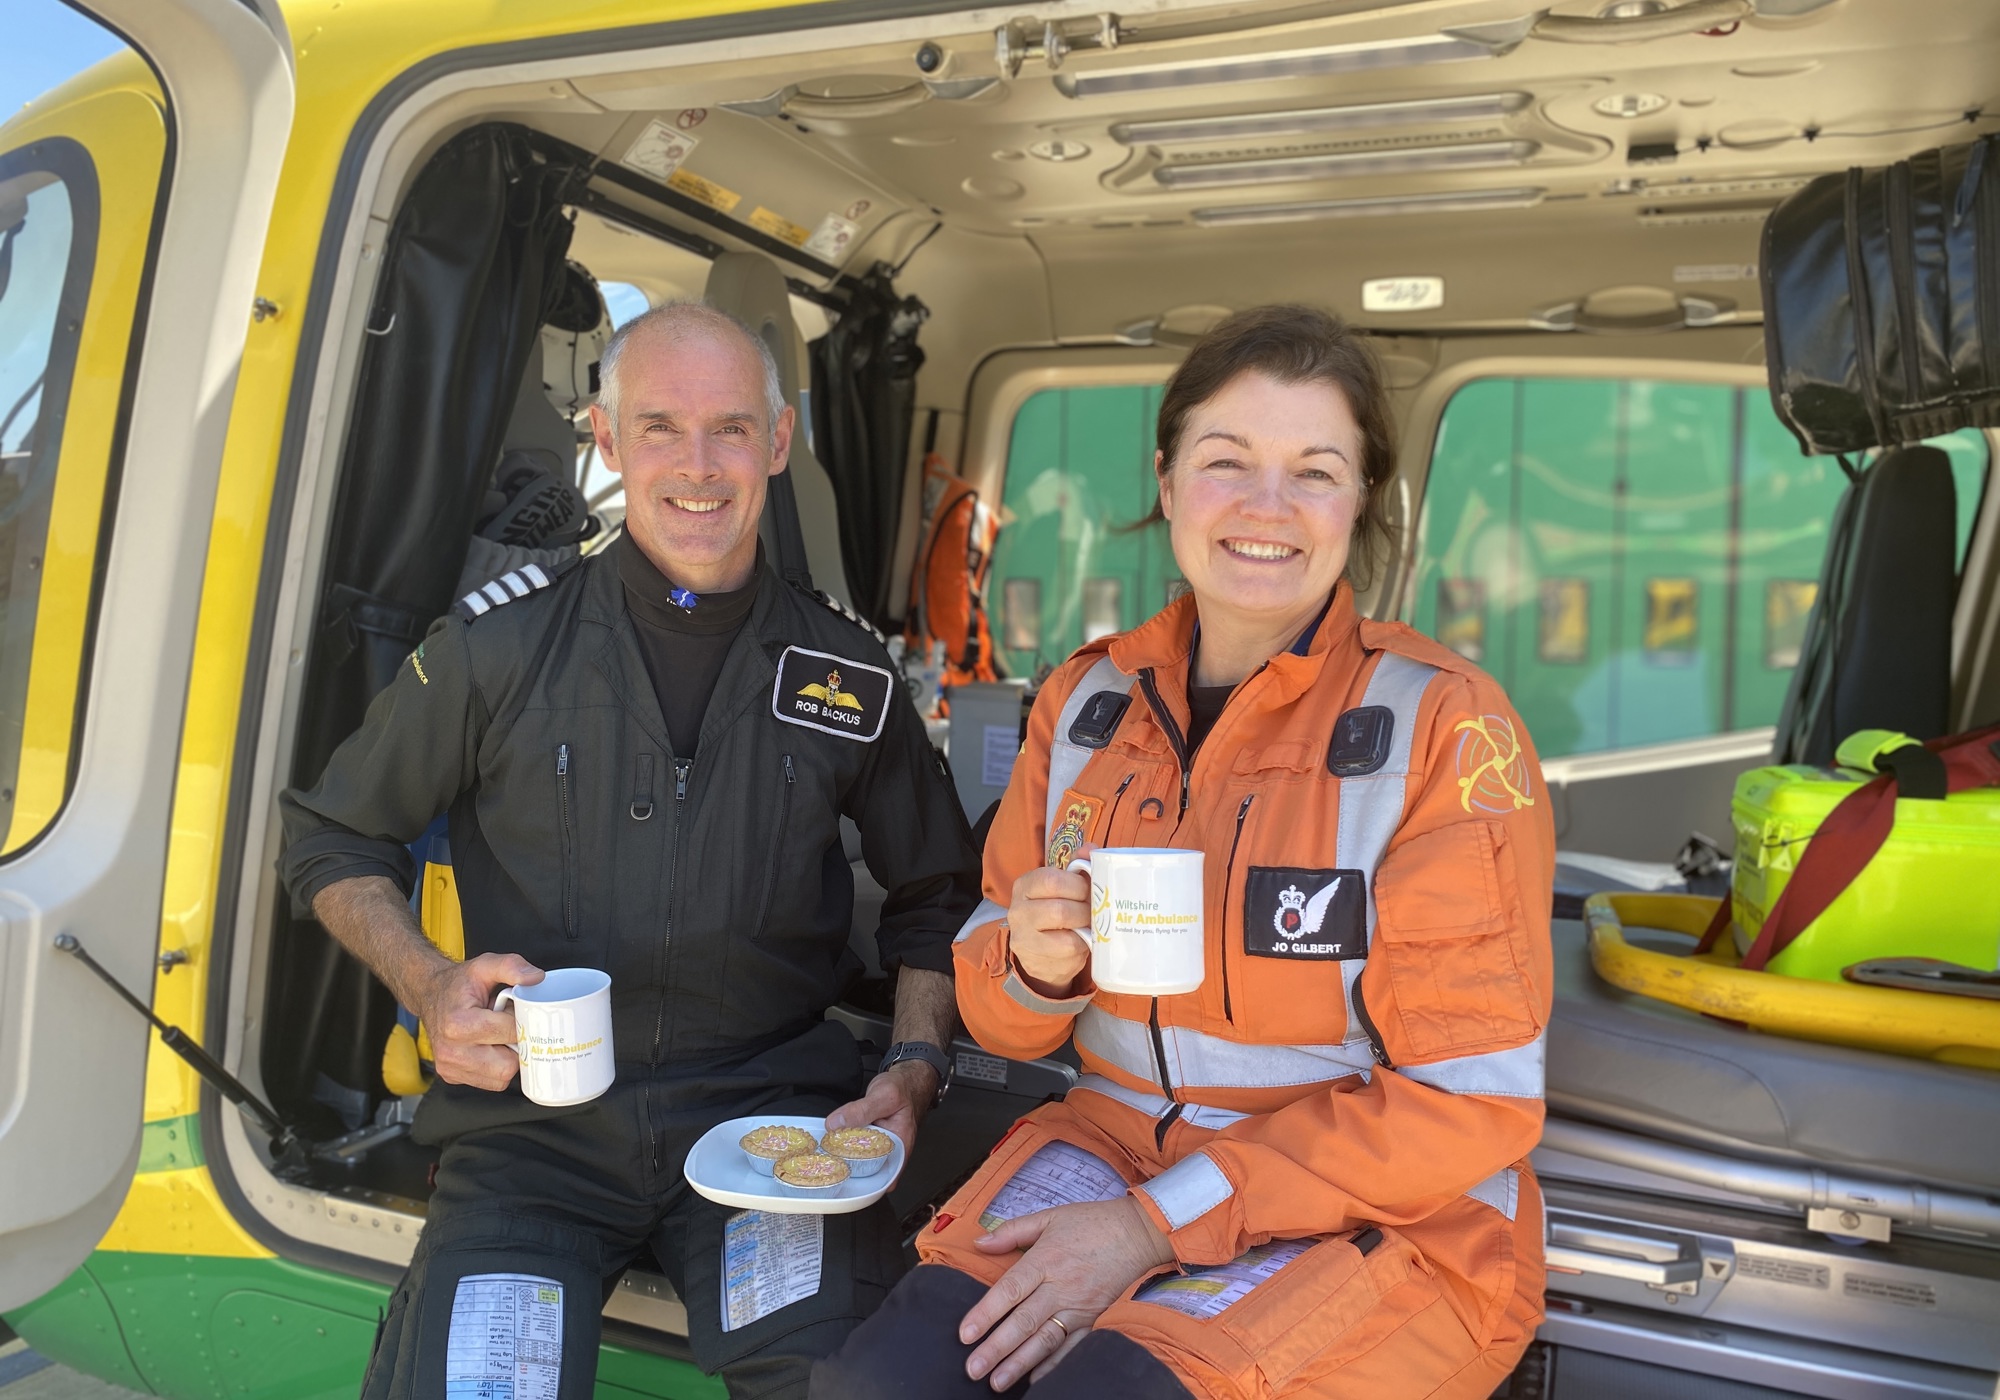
(717, 1169)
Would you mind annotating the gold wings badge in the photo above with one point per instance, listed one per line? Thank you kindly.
(831, 693)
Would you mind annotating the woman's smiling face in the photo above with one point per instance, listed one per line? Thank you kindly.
(1262, 497)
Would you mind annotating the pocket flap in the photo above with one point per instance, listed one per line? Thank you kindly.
(1442, 884)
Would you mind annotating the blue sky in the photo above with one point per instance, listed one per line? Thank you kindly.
(46, 42)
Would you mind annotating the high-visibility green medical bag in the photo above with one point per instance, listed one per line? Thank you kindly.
(1895, 853)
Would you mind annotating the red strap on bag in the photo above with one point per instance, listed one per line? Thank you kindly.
(1849, 838)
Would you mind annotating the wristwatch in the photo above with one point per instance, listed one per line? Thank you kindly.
(921, 1050)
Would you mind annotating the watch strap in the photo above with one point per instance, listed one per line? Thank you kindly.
(921, 1050)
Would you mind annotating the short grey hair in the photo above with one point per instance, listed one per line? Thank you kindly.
(677, 321)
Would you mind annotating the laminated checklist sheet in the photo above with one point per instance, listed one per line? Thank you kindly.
(506, 1338)
(768, 1261)
(1205, 1290)
(1058, 1174)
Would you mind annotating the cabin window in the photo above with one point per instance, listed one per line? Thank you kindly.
(1073, 561)
(1632, 559)
(47, 233)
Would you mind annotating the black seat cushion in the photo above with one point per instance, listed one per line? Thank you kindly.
(1627, 1060)
(1877, 653)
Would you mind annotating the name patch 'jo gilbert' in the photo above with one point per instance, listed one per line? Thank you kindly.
(1290, 912)
(830, 693)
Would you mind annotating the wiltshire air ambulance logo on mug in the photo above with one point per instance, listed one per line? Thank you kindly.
(833, 694)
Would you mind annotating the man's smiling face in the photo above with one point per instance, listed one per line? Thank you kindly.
(696, 444)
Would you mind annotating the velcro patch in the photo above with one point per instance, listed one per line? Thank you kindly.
(818, 690)
(1361, 739)
(1316, 915)
(1098, 720)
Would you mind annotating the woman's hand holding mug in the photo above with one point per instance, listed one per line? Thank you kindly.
(1049, 907)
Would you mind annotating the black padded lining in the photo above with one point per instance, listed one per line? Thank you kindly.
(1877, 653)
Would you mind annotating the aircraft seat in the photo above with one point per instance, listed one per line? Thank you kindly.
(750, 287)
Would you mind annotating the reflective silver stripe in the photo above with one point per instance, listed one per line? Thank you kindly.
(535, 575)
(1511, 1074)
(1027, 996)
(1371, 806)
(494, 591)
(1154, 1105)
(1066, 760)
(986, 913)
(516, 585)
(1189, 1189)
(477, 602)
(1502, 1191)
(1198, 1061)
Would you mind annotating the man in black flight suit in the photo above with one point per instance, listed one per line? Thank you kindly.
(642, 777)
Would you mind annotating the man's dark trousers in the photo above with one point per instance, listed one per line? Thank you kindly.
(572, 1196)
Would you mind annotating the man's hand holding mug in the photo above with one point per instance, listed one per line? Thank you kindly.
(471, 1043)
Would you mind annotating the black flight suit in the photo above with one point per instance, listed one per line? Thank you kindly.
(714, 891)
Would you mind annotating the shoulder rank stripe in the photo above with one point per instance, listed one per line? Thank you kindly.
(515, 583)
(821, 596)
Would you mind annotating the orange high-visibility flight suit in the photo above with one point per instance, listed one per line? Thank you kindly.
(1359, 1076)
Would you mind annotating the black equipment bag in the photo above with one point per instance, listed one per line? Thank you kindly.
(1882, 301)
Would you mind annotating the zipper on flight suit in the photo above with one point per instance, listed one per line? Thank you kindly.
(568, 841)
(1228, 879)
(682, 767)
(777, 843)
(1175, 738)
(1375, 1045)
(1178, 742)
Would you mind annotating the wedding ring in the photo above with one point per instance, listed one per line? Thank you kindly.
(1060, 1323)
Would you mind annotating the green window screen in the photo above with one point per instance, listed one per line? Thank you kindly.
(1069, 564)
(1632, 560)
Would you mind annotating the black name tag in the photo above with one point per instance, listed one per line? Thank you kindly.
(1290, 912)
(818, 690)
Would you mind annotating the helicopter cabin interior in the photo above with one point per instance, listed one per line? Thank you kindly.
(985, 239)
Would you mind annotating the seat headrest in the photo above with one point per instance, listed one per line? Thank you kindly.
(750, 287)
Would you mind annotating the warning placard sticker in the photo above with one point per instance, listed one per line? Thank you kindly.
(780, 227)
(706, 191)
(831, 240)
(659, 150)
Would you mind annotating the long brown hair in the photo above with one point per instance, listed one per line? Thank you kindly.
(1295, 344)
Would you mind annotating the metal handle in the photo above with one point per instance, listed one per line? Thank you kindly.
(1691, 18)
(1591, 1261)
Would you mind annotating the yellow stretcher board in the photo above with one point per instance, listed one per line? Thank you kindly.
(1926, 1025)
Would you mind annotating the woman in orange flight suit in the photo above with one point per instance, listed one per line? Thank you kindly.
(1307, 1177)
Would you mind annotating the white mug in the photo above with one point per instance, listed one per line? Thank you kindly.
(562, 1029)
(1145, 919)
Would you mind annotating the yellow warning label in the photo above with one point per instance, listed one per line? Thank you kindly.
(707, 191)
(779, 227)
